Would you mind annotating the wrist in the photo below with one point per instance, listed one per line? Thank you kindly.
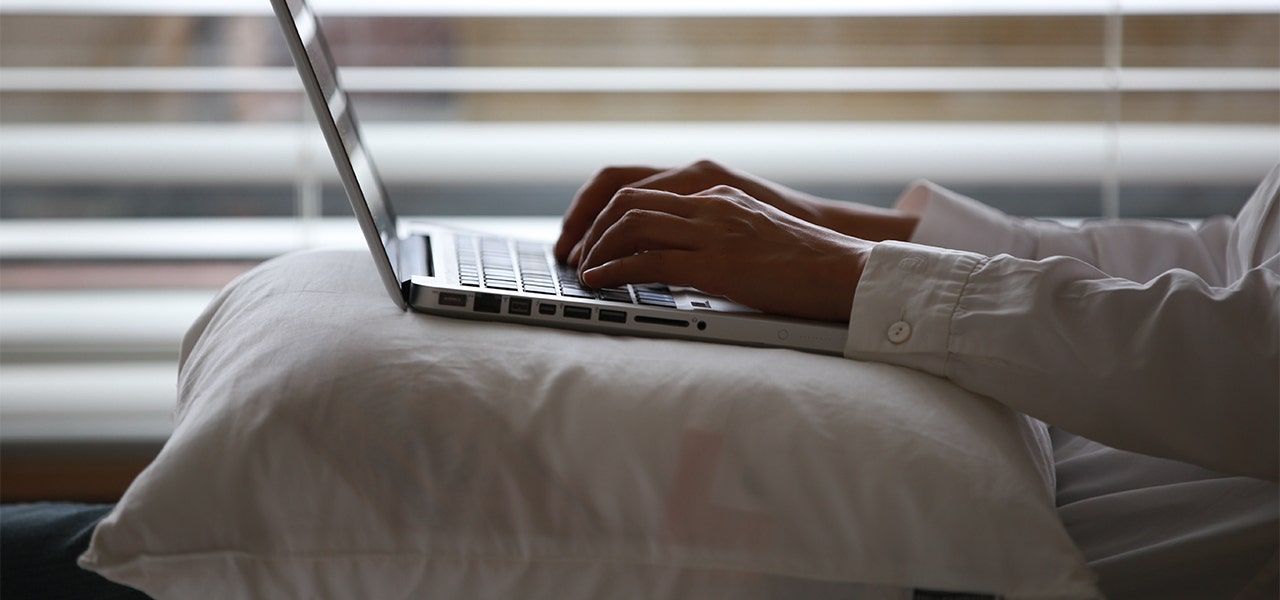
(847, 269)
(866, 222)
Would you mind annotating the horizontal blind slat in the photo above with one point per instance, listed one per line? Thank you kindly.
(647, 80)
(547, 8)
(515, 153)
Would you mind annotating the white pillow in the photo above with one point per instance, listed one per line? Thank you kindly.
(329, 445)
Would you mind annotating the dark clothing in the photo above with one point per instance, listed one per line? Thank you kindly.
(39, 544)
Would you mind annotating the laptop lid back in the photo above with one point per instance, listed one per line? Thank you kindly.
(338, 122)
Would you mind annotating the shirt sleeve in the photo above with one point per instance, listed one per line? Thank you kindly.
(1135, 249)
(1060, 324)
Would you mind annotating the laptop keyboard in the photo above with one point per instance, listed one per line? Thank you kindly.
(516, 265)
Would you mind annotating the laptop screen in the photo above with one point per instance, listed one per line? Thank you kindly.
(338, 121)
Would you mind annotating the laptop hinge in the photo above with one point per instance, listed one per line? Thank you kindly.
(415, 259)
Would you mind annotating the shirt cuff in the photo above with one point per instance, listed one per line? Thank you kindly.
(904, 304)
(952, 220)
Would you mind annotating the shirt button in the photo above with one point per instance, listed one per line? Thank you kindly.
(899, 332)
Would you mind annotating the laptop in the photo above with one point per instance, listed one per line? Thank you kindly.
(446, 271)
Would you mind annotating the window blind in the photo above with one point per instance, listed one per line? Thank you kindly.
(151, 150)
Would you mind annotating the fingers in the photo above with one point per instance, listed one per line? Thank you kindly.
(648, 230)
(723, 242)
(591, 199)
(624, 202)
(669, 266)
(597, 193)
(641, 231)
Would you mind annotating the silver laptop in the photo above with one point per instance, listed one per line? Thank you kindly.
(445, 271)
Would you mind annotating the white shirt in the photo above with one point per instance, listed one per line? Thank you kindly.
(1148, 336)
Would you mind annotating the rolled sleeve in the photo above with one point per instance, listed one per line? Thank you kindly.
(952, 220)
(904, 303)
(948, 219)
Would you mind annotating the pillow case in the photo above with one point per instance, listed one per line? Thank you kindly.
(329, 445)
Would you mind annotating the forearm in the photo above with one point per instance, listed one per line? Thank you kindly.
(861, 221)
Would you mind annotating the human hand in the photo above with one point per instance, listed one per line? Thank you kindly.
(846, 217)
(691, 179)
(727, 243)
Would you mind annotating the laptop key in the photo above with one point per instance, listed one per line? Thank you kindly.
(668, 303)
(615, 295)
(655, 296)
(501, 285)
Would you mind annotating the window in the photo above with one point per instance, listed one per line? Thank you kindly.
(151, 150)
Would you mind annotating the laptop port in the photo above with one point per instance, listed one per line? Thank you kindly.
(546, 309)
(577, 312)
(661, 321)
(487, 303)
(520, 306)
(452, 299)
(613, 316)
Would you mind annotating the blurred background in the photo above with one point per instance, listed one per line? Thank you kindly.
(152, 150)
